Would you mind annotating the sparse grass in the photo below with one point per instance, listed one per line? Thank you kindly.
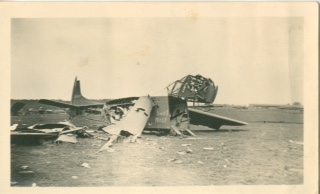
(259, 153)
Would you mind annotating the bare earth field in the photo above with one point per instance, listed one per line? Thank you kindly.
(267, 151)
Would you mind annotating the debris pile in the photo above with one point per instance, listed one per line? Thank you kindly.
(63, 132)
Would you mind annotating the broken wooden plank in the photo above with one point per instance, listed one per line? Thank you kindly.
(176, 130)
(71, 130)
(190, 132)
(108, 144)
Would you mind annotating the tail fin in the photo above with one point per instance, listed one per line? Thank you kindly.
(77, 98)
(76, 92)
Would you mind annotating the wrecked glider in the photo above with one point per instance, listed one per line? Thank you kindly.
(168, 113)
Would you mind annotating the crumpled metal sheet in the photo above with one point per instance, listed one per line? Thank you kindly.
(67, 138)
(136, 119)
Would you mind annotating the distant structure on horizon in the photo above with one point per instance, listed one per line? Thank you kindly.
(293, 106)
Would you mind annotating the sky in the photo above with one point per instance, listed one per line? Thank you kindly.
(251, 59)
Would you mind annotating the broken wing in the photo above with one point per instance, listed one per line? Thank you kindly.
(198, 117)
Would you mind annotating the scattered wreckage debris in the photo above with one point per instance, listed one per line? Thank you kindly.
(208, 148)
(13, 183)
(102, 138)
(107, 145)
(63, 132)
(176, 161)
(85, 165)
(70, 138)
(24, 167)
(175, 130)
(187, 151)
(25, 135)
(26, 172)
(296, 142)
(196, 138)
(14, 126)
(74, 177)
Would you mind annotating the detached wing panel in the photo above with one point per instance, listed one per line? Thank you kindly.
(66, 105)
(55, 103)
(198, 117)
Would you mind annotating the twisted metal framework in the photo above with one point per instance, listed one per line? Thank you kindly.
(194, 89)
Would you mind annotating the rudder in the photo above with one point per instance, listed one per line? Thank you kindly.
(77, 98)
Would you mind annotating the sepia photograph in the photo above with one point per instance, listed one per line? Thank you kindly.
(213, 96)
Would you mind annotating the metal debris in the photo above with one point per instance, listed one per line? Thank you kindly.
(14, 126)
(67, 138)
(24, 167)
(111, 150)
(181, 152)
(196, 138)
(86, 165)
(26, 172)
(296, 142)
(177, 161)
(102, 138)
(13, 183)
(108, 144)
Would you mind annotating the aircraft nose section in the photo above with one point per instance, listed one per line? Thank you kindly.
(211, 93)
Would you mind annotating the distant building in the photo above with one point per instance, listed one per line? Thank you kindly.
(265, 106)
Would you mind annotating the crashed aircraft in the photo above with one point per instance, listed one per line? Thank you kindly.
(167, 113)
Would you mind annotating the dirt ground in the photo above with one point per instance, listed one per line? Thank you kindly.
(268, 151)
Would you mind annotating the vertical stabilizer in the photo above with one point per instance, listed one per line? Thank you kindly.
(76, 92)
(77, 98)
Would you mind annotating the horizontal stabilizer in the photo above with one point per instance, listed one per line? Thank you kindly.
(67, 105)
(198, 117)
